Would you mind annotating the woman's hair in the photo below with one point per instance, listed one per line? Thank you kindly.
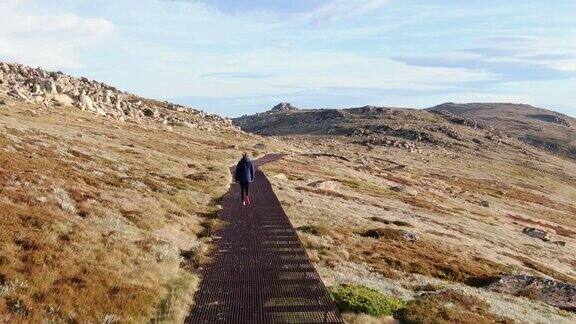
(245, 154)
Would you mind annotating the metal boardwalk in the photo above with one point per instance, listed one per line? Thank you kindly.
(260, 272)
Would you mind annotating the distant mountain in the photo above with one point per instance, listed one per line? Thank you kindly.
(541, 128)
(370, 125)
(538, 127)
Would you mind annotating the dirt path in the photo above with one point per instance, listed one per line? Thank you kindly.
(260, 271)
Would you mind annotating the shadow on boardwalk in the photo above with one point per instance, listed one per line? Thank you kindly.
(260, 272)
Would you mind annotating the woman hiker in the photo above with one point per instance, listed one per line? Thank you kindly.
(244, 175)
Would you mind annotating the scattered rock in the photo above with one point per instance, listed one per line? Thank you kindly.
(551, 119)
(485, 203)
(281, 176)
(535, 233)
(325, 185)
(412, 237)
(198, 177)
(64, 200)
(151, 112)
(260, 146)
(384, 233)
(552, 292)
(404, 189)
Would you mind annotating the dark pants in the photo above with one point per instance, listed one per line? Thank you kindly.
(244, 188)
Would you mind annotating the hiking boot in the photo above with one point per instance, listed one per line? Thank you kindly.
(243, 203)
(248, 200)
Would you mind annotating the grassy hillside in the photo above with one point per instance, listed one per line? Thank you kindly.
(104, 220)
(408, 223)
(538, 127)
(416, 203)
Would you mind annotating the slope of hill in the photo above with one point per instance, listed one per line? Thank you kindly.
(375, 125)
(415, 204)
(538, 127)
(56, 89)
(104, 218)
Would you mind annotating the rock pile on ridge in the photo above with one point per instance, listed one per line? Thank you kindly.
(284, 107)
(56, 89)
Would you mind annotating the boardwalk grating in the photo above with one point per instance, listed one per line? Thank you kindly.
(260, 272)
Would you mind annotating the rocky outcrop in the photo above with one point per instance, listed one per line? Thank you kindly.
(551, 119)
(284, 107)
(56, 89)
(541, 128)
(551, 292)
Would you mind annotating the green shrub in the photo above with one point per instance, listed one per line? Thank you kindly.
(364, 300)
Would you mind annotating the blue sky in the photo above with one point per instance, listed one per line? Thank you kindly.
(237, 57)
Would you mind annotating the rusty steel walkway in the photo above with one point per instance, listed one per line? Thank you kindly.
(260, 272)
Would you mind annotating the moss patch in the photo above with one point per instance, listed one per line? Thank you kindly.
(363, 300)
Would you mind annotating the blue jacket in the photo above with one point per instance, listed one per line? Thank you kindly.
(244, 171)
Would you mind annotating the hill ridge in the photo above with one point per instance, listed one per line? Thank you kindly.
(56, 89)
(438, 125)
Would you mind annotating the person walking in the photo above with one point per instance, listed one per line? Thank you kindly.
(245, 175)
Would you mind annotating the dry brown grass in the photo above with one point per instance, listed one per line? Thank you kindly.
(498, 189)
(93, 227)
(529, 263)
(439, 195)
(386, 249)
(557, 228)
(425, 204)
(318, 230)
(448, 307)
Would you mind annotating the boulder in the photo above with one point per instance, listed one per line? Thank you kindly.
(535, 233)
(404, 189)
(62, 100)
(99, 111)
(36, 89)
(17, 93)
(485, 203)
(86, 102)
(281, 176)
(325, 185)
(48, 86)
(149, 112)
(411, 237)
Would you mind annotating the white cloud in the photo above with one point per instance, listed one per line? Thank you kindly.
(297, 68)
(51, 41)
(554, 52)
(338, 9)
